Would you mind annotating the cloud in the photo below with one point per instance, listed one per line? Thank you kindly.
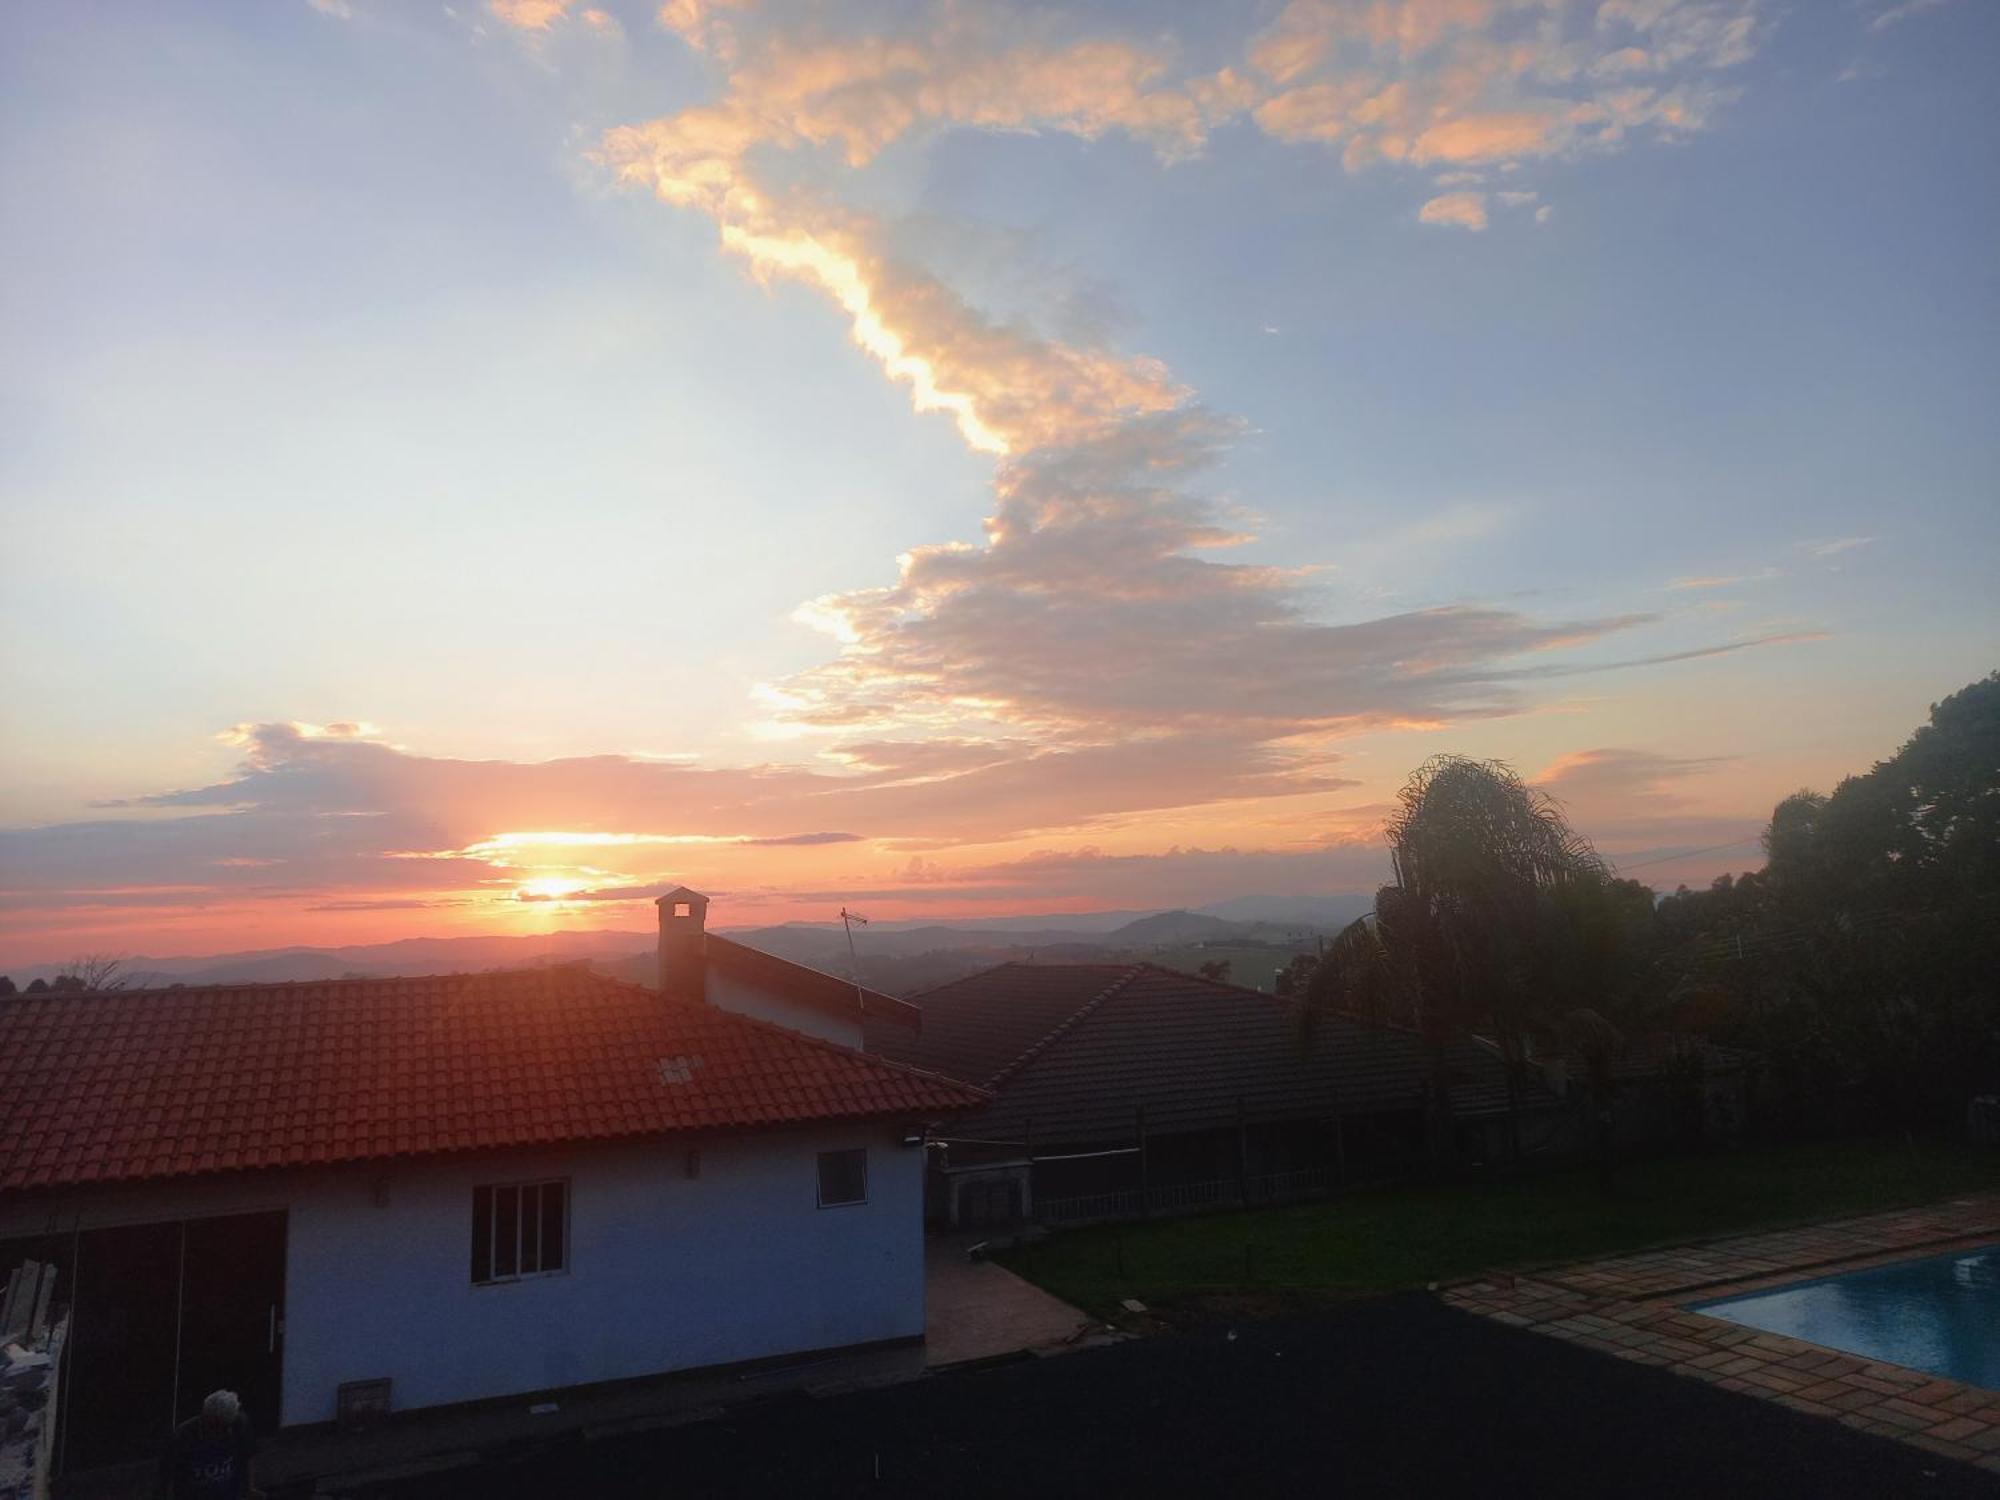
(1092, 877)
(530, 15)
(1095, 657)
(1896, 14)
(1693, 653)
(1723, 580)
(1835, 547)
(1622, 779)
(340, 10)
(1641, 810)
(1451, 82)
(410, 904)
(1465, 210)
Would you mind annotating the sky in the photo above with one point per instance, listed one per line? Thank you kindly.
(469, 468)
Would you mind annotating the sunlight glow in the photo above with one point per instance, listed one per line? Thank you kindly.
(547, 888)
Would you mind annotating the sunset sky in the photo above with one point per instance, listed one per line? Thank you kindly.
(469, 466)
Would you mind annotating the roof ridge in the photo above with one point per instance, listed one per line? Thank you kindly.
(1081, 1013)
(1216, 984)
(1005, 963)
(858, 1054)
(792, 963)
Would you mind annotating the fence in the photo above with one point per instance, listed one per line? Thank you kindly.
(1187, 1197)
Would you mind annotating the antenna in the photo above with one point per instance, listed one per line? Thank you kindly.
(847, 921)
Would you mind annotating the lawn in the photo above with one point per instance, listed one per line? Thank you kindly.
(1390, 1238)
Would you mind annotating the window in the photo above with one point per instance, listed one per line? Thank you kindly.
(519, 1229)
(843, 1177)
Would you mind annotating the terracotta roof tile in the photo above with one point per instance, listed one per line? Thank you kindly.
(136, 1084)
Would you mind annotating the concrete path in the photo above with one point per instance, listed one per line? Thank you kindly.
(979, 1310)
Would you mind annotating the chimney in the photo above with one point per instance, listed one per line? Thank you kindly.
(683, 944)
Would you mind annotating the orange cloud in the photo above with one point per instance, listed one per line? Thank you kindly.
(1466, 210)
(530, 15)
(1486, 137)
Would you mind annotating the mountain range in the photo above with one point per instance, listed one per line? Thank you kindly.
(897, 957)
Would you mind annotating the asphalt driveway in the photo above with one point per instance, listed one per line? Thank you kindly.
(1401, 1396)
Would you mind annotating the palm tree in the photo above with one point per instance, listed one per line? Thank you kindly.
(1481, 927)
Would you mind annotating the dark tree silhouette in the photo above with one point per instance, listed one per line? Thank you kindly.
(92, 971)
(1863, 961)
(1496, 905)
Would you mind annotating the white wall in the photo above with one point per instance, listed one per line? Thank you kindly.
(747, 1000)
(665, 1273)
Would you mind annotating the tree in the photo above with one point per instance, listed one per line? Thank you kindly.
(6, 985)
(1216, 969)
(1861, 962)
(1292, 980)
(92, 971)
(1499, 915)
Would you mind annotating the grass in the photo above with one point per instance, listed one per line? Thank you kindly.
(1389, 1239)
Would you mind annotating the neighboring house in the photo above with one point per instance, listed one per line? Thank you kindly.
(1117, 1086)
(468, 1186)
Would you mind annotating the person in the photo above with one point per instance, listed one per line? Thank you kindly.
(209, 1456)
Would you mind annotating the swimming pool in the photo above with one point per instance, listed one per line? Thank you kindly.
(1940, 1314)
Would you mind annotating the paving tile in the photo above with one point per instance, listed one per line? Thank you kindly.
(1901, 1414)
(1771, 1380)
(1958, 1430)
(1937, 1391)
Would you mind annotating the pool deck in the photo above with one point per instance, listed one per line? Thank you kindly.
(1636, 1307)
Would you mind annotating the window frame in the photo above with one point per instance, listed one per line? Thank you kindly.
(518, 1187)
(819, 1178)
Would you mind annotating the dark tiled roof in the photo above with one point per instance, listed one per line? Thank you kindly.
(1086, 1045)
(812, 987)
(98, 1087)
(976, 1026)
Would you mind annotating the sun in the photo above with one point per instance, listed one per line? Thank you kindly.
(547, 888)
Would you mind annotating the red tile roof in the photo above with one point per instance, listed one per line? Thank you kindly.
(116, 1087)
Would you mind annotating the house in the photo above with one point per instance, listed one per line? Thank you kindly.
(1123, 1087)
(457, 1188)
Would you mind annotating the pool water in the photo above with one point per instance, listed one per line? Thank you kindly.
(1940, 1314)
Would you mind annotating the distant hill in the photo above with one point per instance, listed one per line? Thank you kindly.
(907, 960)
(898, 958)
(374, 960)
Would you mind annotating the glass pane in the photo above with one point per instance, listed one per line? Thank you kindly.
(531, 1229)
(482, 1234)
(843, 1177)
(552, 1226)
(506, 1230)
